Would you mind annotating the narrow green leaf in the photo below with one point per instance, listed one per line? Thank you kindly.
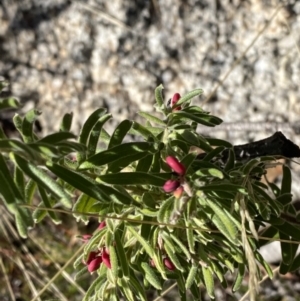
(57, 137)
(150, 251)
(190, 237)
(209, 282)
(8, 145)
(165, 211)
(219, 216)
(239, 277)
(134, 178)
(83, 204)
(119, 133)
(204, 119)
(145, 132)
(18, 179)
(210, 172)
(27, 125)
(84, 184)
(8, 103)
(89, 124)
(42, 179)
(189, 96)
(181, 246)
(214, 153)
(191, 276)
(288, 249)
(230, 161)
(97, 282)
(124, 286)
(137, 287)
(47, 203)
(173, 257)
(218, 142)
(96, 134)
(144, 164)
(66, 122)
(159, 96)
(152, 118)
(30, 189)
(21, 224)
(151, 276)
(114, 263)
(121, 253)
(119, 151)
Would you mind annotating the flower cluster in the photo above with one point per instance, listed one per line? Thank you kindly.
(96, 258)
(174, 185)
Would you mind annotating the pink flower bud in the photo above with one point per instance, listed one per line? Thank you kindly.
(94, 264)
(178, 192)
(106, 259)
(171, 185)
(102, 225)
(169, 264)
(174, 100)
(152, 263)
(92, 256)
(86, 237)
(176, 165)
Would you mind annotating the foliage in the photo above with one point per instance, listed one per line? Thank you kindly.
(165, 212)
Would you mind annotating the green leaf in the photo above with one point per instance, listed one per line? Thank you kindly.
(89, 124)
(137, 287)
(134, 178)
(152, 118)
(214, 153)
(239, 277)
(190, 236)
(56, 138)
(204, 119)
(119, 133)
(209, 282)
(119, 151)
(83, 204)
(8, 103)
(165, 211)
(144, 164)
(66, 123)
(218, 142)
(288, 249)
(189, 96)
(47, 203)
(220, 217)
(151, 276)
(172, 255)
(191, 276)
(226, 187)
(121, 253)
(296, 264)
(88, 185)
(150, 251)
(96, 132)
(114, 262)
(42, 179)
(159, 97)
(145, 132)
(182, 246)
(27, 125)
(210, 172)
(8, 145)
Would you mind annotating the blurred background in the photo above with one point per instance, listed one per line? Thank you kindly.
(75, 56)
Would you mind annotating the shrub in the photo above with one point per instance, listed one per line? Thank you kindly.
(172, 203)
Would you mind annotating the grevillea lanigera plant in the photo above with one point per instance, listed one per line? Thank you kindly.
(172, 204)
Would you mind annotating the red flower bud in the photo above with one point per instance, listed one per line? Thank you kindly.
(102, 225)
(171, 185)
(174, 100)
(92, 256)
(106, 259)
(169, 264)
(94, 264)
(178, 192)
(176, 165)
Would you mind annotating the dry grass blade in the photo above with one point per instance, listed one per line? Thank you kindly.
(105, 16)
(237, 61)
(58, 273)
(9, 288)
(58, 267)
